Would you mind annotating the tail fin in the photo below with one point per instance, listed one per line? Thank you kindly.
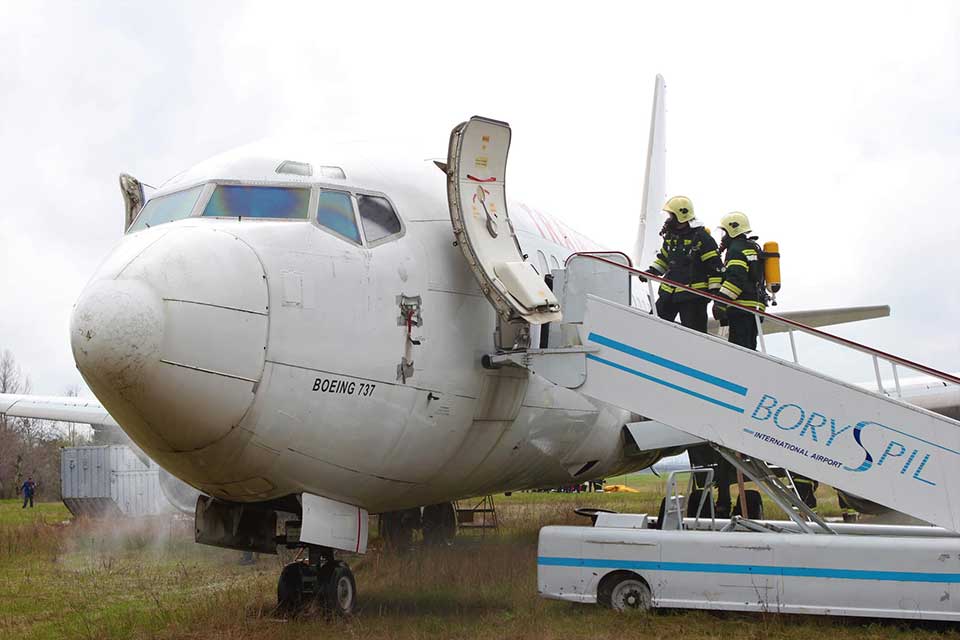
(654, 185)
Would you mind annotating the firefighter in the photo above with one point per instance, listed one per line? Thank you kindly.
(848, 512)
(806, 490)
(743, 280)
(689, 256)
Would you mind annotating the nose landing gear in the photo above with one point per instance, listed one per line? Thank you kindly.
(321, 581)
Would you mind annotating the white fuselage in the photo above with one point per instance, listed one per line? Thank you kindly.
(258, 358)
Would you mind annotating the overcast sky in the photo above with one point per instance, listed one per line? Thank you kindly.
(833, 125)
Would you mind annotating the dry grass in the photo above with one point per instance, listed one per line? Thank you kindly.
(148, 580)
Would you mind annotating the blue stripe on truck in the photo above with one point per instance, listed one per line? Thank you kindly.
(759, 570)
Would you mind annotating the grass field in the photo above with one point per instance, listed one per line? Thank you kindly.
(12, 513)
(149, 580)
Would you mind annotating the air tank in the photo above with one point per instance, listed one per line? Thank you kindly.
(771, 265)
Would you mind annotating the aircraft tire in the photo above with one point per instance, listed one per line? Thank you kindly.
(439, 523)
(397, 527)
(290, 587)
(338, 588)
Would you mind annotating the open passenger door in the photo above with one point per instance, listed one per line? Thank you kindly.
(476, 169)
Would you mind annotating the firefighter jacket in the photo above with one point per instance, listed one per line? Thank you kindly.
(743, 274)
(689, 256)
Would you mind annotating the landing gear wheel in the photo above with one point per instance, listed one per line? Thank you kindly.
(294, 588)
(397, 527)
(626, 592)
(439, 524)
(338, 588)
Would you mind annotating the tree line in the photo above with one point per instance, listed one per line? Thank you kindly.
(31, 448)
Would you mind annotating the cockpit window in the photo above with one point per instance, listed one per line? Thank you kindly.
(335, 212)
(378, 217)
(173, 206)
(233, 201)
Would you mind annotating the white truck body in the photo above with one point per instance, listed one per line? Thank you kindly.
(911, 577)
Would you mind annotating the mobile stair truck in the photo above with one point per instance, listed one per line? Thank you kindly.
(753, 407)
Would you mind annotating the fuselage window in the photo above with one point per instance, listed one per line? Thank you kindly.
(378, 217)
(335, 212)
(173, 206)
(234, 201)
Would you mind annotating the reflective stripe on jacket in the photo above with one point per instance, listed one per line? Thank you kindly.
(742, 269)
(690, 258)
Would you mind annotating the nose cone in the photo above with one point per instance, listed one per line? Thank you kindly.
(116, 334)
(173, 344)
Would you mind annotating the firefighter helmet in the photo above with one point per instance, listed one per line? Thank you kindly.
(735, 224)
(681, 207)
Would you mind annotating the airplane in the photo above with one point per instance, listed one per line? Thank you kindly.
(299, 334)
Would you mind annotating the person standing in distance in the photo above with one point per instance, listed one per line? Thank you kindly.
(742, 280)
(688, 256)
(29, 488)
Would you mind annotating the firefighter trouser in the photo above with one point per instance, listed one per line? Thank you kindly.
(849, 513)
(693, 314)
(743, 328)
(724, 474)
(806, 489)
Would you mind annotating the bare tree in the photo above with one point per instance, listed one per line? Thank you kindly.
(30, 447)
(10, 375)
(10, 382)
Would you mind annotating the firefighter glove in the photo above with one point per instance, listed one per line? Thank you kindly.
(720, 313)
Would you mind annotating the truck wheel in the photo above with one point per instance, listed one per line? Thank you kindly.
(623, 591)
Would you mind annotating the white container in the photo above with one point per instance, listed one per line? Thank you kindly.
(110, 481)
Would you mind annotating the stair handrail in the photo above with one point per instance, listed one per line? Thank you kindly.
(876, 353)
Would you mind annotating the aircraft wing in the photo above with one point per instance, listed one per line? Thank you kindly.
(71, 409)
(651, 435)
(58, 408)
(819, 317)
(828, 317)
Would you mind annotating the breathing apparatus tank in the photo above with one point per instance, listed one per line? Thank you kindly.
(771, 266)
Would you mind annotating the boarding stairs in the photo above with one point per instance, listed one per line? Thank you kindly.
(597, 341)
(869, 443)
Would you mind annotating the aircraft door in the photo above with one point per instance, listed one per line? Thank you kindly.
(476, 169)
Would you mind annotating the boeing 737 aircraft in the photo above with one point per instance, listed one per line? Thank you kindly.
(301, 332)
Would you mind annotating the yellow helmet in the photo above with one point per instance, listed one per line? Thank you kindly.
(681, 207)
(735, 224)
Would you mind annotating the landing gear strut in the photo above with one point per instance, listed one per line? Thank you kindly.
(322, 580)
(397, 527)
(438, 522)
